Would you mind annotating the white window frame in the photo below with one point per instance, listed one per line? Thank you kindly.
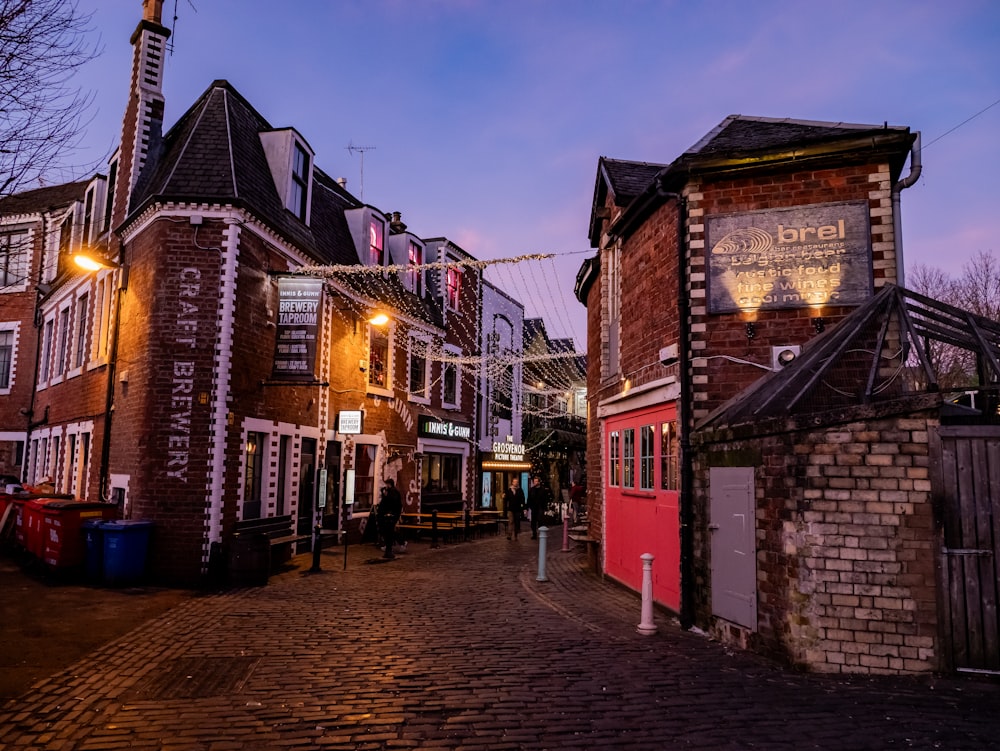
(15, 276)
(418, 344)
(389, 332)
(453, 301)
(81, 317)
(414, 274)
(375, 223)
(14, 328)
(457, 368)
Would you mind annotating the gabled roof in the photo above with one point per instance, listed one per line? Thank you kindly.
(214, 154)
(43, 199)
(889, 350)
(623, 181)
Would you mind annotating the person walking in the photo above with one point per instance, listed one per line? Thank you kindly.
(538, 503)
(389, 510)
(513, 504)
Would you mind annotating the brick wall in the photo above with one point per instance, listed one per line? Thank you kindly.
(845, 546)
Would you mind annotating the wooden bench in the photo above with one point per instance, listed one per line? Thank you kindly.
(280, 530)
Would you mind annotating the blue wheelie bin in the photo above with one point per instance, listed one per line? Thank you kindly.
(126, 542)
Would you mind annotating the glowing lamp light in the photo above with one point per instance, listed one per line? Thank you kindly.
(92, 263)
(379, 319)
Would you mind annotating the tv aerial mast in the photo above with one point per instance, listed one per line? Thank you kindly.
(351, 148)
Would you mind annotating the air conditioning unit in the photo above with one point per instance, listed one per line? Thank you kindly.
(782, 357)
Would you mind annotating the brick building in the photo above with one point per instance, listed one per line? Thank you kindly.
(223, 363)
(718, 279)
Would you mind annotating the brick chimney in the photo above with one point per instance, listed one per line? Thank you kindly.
(142, 126)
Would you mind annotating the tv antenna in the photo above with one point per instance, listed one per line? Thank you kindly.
(351, 148)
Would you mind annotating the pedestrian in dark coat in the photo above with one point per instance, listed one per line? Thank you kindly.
(538, 503)
(389, 510)
(513, 504)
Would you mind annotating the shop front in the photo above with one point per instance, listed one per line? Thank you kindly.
(444, 447)
(498, 467)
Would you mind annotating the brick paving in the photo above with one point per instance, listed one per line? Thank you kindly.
(461, 648)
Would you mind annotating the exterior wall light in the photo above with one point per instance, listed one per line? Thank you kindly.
(379, 319)
(93, 262)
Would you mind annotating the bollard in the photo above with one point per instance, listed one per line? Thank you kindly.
(316, 551)
(565, 547)
(646, 625)
(543, 536)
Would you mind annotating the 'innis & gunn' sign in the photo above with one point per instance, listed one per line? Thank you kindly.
(430, 427)
(789, 258)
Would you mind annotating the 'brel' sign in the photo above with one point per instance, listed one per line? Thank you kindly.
(789, 258)
(299, 302)
(430, 427)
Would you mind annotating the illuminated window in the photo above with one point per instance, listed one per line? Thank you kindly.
(414, 259)
(376, 240)
(647, 447)
(378, 357)
(454, 282)
(668, 456)
(364, 476)
(628, 458)
(252, 480)
(614, 459)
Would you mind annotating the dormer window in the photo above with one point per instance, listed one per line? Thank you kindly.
(291, 162)
(300, 182)
(414, 260)
(376, 242)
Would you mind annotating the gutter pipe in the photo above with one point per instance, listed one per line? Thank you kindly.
(897, 225)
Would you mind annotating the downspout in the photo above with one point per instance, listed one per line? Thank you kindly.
(897, 224)
(685, 501)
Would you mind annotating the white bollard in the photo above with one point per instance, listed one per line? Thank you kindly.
(543, 537)
(646, 626)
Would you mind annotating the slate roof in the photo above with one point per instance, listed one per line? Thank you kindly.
(877, 355)
(213, 154)
(43, 199)
(628, 179)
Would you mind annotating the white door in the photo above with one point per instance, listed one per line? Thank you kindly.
(734, 552)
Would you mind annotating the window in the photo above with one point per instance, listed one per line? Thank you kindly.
(628, 458)
(300, 182)
(441, 479)
(47, 333)
(449, 384)
(109, 199)
(65, 244)
(13, 258)
(614, 459)
(454, 282)
(82, 308)
(62, 350)
(668, 456)
(418, 368)
(252, 480)
(646, 450)
(102, 325)
(364, 476)
(80, 470)
(88, 218)
(6, 358)
(414, 259)
(378, 358)
(376, 240)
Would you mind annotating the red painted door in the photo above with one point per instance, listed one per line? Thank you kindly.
(642, 514)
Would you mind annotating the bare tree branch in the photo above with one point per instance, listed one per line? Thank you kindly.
(42, 45)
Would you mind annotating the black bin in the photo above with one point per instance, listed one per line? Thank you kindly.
(249, 559)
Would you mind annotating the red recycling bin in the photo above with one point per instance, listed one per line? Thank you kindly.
(63, 541)
(32, 525)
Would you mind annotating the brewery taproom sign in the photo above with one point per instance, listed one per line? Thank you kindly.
(431, 427)
(297, 328)
(789, 258)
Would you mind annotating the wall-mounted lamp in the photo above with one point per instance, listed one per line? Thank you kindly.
(92, 262)
(819, 324)
(378, 319)
(751, 330)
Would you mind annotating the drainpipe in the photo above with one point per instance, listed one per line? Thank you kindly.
(897, 224)
(684, 407)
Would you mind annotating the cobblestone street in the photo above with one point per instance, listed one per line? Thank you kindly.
(461, 648)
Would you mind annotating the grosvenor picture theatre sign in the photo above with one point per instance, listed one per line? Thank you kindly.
(789, 258)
